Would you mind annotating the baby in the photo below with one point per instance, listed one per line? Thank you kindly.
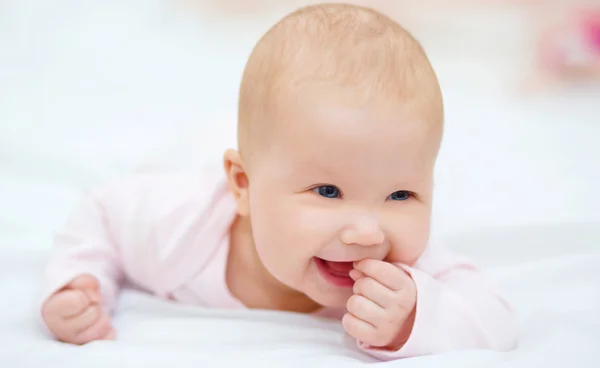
(324, 209)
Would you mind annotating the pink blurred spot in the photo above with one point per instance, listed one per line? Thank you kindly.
(591, 28)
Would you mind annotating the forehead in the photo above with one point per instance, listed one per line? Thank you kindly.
(332, 136)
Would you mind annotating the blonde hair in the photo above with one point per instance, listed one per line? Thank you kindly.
(348, 45)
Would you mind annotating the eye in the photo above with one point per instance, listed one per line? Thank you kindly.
(328, 191)
(401, 195)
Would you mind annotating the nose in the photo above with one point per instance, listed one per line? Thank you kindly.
(364, 231)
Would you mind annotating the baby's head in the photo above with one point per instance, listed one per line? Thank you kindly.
(340, 122)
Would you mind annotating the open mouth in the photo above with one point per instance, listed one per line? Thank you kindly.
(335, 273)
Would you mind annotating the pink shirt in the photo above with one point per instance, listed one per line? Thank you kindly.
(168, 233)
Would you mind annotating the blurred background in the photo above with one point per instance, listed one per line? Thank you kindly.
(93, 89)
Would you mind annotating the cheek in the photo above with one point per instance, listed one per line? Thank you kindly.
(410, 235)
(278, 240)
(283, 226)
(267, 214)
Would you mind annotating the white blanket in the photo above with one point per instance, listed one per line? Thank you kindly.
(91, 89)
(556, 294)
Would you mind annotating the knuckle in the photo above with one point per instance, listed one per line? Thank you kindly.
(381, 340)
(394, 317)
(381, 320)
(55, 324)
(92, 313)
(86, 318)
(50, 302)
(379, 337)
(102, 327)
(48, 313)
(372, 337)
(369, 265)
(349, 324)
(353, 303)
(389, 267)
(346, 320)
(53, 318)
(59, 300)
(397, 298)
(58, 329)
(80, 298)
(95, 331)
(359, 286)
(368, 282)
(70, 298)
(67, 335)
(356, 287)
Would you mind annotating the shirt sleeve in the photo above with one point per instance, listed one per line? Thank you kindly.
(89, 244)
(456, 309)
(141, 229)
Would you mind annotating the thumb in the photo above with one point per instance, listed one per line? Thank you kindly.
(89, 285)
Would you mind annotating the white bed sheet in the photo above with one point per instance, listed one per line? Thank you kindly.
(89, 90)
(555, 292)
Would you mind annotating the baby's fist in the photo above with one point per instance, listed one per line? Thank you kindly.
(75, 315)
(381, 311)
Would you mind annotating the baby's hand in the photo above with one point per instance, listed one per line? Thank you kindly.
(75, 315)
(381, 311)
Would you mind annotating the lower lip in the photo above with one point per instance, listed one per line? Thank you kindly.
(336, 280)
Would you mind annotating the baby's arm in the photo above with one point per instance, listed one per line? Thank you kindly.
(144, 228)
(83, 275)
(456, 309)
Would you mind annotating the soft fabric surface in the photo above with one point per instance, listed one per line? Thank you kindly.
(91, 90)
(555, 293)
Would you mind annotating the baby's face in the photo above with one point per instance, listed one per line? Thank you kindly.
(341, 184)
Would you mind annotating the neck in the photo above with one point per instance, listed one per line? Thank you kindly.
(251, 283)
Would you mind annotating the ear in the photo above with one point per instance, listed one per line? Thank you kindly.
(238, 180)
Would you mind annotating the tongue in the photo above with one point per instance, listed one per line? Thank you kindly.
(342, 268)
